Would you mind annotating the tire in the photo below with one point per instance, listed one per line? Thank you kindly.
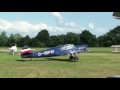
(71, 57)
(76, 58)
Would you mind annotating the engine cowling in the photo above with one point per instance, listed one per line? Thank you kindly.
(26, 53)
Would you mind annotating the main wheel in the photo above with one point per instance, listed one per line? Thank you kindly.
(71, 58)
(76, 58)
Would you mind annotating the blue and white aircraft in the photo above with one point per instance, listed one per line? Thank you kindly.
(67, 49)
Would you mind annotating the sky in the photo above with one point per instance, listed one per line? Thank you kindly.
(57, 23)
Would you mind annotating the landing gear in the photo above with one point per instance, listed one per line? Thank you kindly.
(76, 58)
(73, 58)
(30, 56)
(30, 59)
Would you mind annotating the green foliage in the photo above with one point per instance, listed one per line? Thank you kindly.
(110, 38)
(42, 39)
(14, 38)
(43, 35)
(88, 38)
(27, 40)
(70, 38)
(3, 39)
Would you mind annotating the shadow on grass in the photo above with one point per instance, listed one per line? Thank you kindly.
(22, 60)
(56, 59)
(47, 59)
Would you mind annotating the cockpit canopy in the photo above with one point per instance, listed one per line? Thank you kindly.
(25, 47)
(67, 46)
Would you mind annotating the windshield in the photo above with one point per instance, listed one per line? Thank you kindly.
(67, 46)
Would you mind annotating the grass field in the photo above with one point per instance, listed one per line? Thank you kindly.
(97, 63)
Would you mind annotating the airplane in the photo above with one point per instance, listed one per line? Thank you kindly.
(12, 50)
(61, 50)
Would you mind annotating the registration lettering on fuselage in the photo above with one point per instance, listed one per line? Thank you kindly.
(46, 52)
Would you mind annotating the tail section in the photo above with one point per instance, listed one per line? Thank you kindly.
(82, 47)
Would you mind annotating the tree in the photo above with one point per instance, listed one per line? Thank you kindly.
(34, 42)
(54, 40)
(50, 42)
(88, 38)
(110, 38)
(17, 38)
(11, 40)
(43, 37)
(27, 40)
(14, 39)
(70, 38)
(114, 35)
(77, 41)
(3, 39)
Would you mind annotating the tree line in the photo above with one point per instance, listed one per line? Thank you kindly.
(43, 39)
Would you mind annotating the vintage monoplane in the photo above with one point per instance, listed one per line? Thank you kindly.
(11, 50)
(61, 50)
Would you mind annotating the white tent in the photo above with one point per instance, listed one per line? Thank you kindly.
(117, 48)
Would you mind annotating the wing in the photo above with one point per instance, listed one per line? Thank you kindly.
(70, 49)
(4, 50)
(68, 52)
(10, 50)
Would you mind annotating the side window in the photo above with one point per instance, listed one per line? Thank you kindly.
(66, 47)
(63, 48)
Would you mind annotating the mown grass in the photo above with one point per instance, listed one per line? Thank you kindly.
(97, 63)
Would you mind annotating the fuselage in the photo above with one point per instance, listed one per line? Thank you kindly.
(56, 51)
